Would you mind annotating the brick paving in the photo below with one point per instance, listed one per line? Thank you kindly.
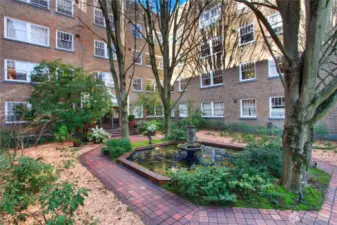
(157, 206)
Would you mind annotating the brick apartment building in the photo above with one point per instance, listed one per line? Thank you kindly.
(34, 30)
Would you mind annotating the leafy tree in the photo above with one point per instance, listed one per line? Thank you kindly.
(68, 96)
(308, 47)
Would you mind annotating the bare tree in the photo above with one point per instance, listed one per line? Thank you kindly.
(310, 81)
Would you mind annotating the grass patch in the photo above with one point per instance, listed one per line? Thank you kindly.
(146, 143)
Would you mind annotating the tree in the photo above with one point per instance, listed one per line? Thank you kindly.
(310, 82)
(170, 26)
(68, 96)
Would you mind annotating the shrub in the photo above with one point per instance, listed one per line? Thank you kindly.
(131, 117)
(247, 185)
(115, 148)
(261, 159)
(62, 134)
(178, 132)
(98, 135)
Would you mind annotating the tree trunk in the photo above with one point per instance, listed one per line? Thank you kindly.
(124, 119)
(167, 121)
(297, 142)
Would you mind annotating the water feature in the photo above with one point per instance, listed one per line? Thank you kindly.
(163, 159)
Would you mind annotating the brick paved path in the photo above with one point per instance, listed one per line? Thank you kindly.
(158, 206)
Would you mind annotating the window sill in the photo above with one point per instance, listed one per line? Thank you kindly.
(98, 25)
(34, 6)
(212, 86)
(27, 43)
(64, 50)
(100, 57)
(247, 43)
(248, 81)
(274, 77)
(64, 14)
(16, 82)
(212, 117)
(248, 118)
(274, 118)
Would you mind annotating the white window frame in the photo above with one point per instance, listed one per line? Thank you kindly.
(140, 115)
(140, 57)
(155, 113)
(277, 25)
(72, 41)
(210, 44)
(272, 63)
(135, 31)
(104, 23)
(212, 109)
(211, 74)
(203, 23)
(239, 33)
(180, 89)
(153, 85)
(141, 84)
(6, 111)
(36, 5)
(105, 78)
(28, 79)
(270, 108)
(28, 32)
(240, 71)
(241, 111)
(183, 115)
(72, 8)
(106, 50)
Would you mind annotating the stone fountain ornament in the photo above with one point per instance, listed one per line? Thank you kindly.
(190, 147)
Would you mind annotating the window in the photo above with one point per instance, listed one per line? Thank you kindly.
(26, 32)
(106, 78)
(213, 78)
(147, 60)
(38, 3)
(11, 115)
(149, 85)
(65, 7)
(212, 109)
(247, 71)
(65, 41)
(101, 50)
(173, 113)
(85, 100)
(84, 5)
(157, 38)
(209, 16)
(272, 66)
(275, 22)
(246, 34)
(99, 18)
(137, 57)
(248, 108)
(182, 84)
(183, 110)
(159, 62)
(137, 31)
(156, 111)
(137, 84)
(211, 47)
(138, 112)
(18, 71)
(276, 107)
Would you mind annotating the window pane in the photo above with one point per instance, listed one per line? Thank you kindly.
(40, 3)
(149, 85)
(248, 108)
(136, 31)
(65, 7)
(12, 115)
(207, 109)
(277, 107)
(17, 71)
(275, 22)
(247, 71)
(205, 50)
(183, 112)
(64, 41)
(137, 84)
(217, 77)
(39, 35)
(99, 18)
(99, 49)
(246, 34)
(206, 79)
(137, 57)
(16, 29)
(216, 45)
(218, 109)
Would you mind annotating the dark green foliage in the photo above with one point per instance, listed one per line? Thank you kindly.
(264, 159)
(62, 134)
(117, 147)
(179, 132)
(23, 180)
(131, 117)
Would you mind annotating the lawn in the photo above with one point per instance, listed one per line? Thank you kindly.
(146, 143)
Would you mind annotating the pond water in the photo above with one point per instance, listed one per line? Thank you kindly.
(163, 159)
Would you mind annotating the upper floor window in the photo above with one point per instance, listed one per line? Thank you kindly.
(18, 71)
(276, 107)
(100, 20)
(65, 7)
(137, 30)
(272, 66)
(246, 34)
(101, 50)
(247, 71)
(211, 47)
(183, 110)
(157, 38)
(213, 78)
(212, 109)
(275, 22)
(209, 16)
(11, 111)
(106, 78)
(65, 41)
(26, 32)
(138, 111)
(150, 85)
(137, 57)
(248, 108)
(137, 84)
(182, 84)
(38, 3)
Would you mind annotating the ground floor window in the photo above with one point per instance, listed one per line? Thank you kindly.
(157, 111)
(248, 108)
(183, 110)
(137, 84)
(138, 112)
(12, 115)
(276, 107)
(212, 109)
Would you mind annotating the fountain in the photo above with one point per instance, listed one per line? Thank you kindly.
(190, 147)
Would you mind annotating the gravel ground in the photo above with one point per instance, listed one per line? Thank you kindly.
(101, 206)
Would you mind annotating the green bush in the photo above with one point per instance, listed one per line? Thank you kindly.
(23, 180)
(179, 132)
(62, 134)
(117, 147)
(261, 159)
